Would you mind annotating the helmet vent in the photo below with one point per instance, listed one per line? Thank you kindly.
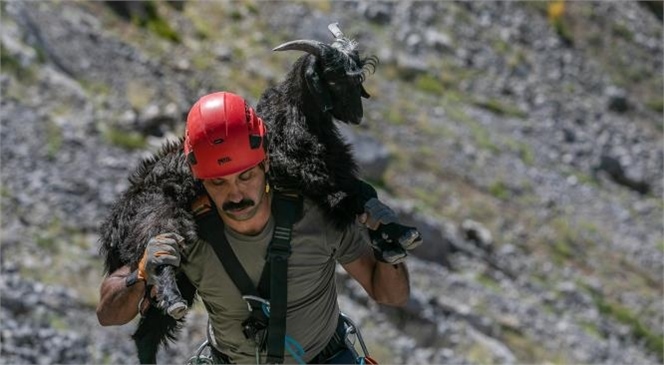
(218, 141)
(255, 141)
(191, 158)
(247, 113)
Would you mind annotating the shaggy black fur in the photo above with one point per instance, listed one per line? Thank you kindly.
(306, 150)
(157, 201)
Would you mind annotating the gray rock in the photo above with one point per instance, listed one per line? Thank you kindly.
(617, 99)
(371, 155)
(478, 234)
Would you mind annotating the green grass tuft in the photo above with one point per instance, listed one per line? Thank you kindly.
(12, 65)
(499, 190)
(156, 23)
(499, 108)
(53, 139)
(126, 140)
(653, 341)
(656, 104)
(429, 84)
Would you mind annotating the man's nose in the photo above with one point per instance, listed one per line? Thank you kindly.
(235, 195)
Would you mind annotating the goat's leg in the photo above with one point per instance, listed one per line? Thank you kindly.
(169, 298)
(391, 239)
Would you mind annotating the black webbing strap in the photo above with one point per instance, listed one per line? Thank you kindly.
(211, 229)
(286, 210)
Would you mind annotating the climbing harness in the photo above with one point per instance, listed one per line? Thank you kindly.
(344, 339)
(267, 334)
(266, 324)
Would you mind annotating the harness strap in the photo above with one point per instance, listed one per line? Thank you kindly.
(213, 233)
(286, 209)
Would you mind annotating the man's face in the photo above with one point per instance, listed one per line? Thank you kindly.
(239, 196)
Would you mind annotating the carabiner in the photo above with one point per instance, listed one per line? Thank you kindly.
(265, 304)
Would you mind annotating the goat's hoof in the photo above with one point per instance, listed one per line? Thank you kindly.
(177, 310)
(410, 239)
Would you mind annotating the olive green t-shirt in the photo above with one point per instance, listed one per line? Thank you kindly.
(312, 297)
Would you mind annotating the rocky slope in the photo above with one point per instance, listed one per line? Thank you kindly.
(525, 144)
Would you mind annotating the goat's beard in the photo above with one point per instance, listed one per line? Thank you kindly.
(354, 121)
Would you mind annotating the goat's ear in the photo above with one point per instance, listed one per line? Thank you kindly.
(364, 92)
(317, 87)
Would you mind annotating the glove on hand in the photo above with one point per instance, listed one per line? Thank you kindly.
(162, 249)
(389, 239)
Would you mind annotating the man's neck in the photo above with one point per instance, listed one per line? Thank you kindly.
(255, 224)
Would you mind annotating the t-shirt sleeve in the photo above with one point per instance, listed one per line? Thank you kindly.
(353, 242)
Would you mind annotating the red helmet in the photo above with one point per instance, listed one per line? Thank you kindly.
(223, 136)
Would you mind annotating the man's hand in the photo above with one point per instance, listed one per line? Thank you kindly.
(390, 240)
(163, 249)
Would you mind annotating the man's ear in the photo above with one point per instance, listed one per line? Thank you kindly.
(266, 164)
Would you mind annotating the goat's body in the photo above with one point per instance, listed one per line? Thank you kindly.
(157, 201)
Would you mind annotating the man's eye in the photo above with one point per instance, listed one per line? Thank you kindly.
(245, 177)
(218, 182)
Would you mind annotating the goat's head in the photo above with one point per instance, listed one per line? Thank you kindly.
(335, 75)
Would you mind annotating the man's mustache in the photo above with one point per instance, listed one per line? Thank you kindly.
(231, 206)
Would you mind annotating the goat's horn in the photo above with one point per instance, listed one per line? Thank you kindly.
(313, 47)
(334, 28)
(354, 73)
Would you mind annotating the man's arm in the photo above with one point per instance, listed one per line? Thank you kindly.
(385, 283)
(118, 304)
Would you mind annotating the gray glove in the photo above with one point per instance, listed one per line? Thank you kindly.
(389, 239)
(162, 249)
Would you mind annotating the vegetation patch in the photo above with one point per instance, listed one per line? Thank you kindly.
(527, 351)
(569, 242)
(125, 139)
(495, 106)
(653, 342)
(12, 65)
(488, 282)
(97, 88)
(499, 190)
(479, 354)
(429, 84)
(591, 329)
(482, 138)
(53, 139)
(620, 30)
(556, 12)
(71, 265)
(656, 104)
(156, 23)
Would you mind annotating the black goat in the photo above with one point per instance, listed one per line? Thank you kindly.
(306, 151)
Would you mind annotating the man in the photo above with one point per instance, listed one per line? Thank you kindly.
(225, 146)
